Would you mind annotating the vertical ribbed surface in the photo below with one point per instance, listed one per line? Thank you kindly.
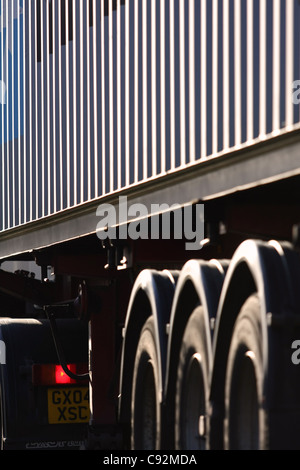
(99, 95)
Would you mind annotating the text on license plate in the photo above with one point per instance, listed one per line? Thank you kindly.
(68, 405)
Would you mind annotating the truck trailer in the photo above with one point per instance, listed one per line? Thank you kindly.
(149, 224)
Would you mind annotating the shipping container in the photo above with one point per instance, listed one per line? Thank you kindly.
(149, 224)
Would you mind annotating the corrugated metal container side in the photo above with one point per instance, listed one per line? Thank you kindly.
(100, 95)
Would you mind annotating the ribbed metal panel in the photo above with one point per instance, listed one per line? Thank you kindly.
(101, 95)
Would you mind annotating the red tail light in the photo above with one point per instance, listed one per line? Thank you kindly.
(53, 374)
(61, 377)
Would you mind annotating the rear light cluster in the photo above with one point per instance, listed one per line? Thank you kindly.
(53, 374)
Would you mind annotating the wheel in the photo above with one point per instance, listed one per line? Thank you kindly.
(145, 403)
(192, 385)
(245, 425)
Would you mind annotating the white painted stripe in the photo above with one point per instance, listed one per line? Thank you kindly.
(136, 90)
(19, 116)
(54, 105)
(237, 71)
(203, 81)
(67, 103)
(61, 183)
(215, 77)
(276, 65)
(42, 156)
(7, 128)
(262, 66)
(36, 181)
(48, 110)
(6, 158)
(172, 86)
(118, 85)
(13, 190)
(250, 97)
(95, 79)
(88, 98)
(289, 62)
(74, 10)
(153, 84)
(82, 117)
(182, 83)
(163, 85)
(226, 116)
(30, 109)
(192, 94)
(145, 89)
(2, 129)
(127, 98)
(25, 104)
(111, 96)
(103, 99)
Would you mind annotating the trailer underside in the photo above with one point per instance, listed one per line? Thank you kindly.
(140, 314)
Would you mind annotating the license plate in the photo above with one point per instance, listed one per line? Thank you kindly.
(68, 405)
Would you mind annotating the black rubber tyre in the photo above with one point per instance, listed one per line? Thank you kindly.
(145, 403)
(192, 385)
(245, 426)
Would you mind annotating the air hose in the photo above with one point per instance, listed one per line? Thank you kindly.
(59, 348)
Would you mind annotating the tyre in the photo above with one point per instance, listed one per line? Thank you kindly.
(145, 403)
(245, 426)
(192, 385)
